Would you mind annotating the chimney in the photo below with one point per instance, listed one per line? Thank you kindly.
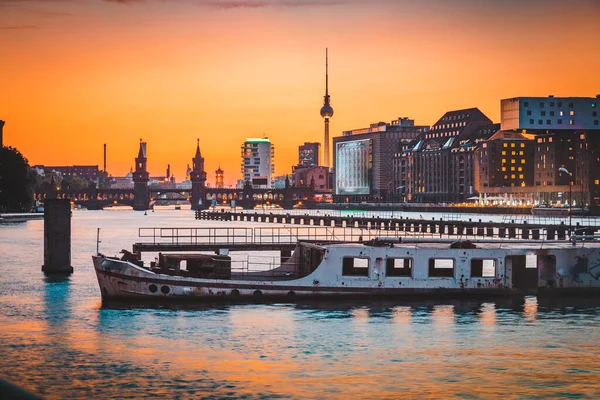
(1, 126)
(104, 157)
(168, 171)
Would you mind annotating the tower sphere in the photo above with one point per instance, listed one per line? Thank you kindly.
(326, 111)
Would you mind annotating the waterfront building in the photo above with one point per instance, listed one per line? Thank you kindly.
(326, 113)
(279, 182)
(317, 175)
(504, 164)
(219, 178)
(308, 154)
(90, 172)
(550, 113)
(438, 166)
(363, 159)
(257, 162)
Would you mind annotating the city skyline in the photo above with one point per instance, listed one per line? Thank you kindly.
(154, 74)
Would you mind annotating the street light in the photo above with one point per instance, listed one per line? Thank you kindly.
(564, 170)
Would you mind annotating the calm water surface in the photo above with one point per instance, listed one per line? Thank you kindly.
(57, 340)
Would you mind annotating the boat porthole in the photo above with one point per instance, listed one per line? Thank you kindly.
(152, 288)
(257, 293)
(235, 293)
(291, 293)
(165, 289)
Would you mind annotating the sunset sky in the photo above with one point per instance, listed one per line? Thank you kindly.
(75, 74)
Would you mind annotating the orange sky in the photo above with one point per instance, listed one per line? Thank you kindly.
(75, 74)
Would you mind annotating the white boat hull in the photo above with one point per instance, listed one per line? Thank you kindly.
(124, 280)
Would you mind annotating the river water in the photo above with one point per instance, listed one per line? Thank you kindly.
(59, 341)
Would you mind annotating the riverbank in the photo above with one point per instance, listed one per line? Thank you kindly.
(13, 218)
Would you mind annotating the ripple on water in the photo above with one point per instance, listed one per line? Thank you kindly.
(58, 340)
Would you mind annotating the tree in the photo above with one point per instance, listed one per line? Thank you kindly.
(75, 184)
(16, 181)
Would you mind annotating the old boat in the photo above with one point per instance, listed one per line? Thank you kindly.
(381, 267)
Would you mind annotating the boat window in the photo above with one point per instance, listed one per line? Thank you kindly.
(398, 267)
(483, 268)
(354, 266)
(531, 261)
(441, 268)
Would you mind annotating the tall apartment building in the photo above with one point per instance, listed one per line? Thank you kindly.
(257, 162)
(439, 166)
(308, 154)
(363, 159)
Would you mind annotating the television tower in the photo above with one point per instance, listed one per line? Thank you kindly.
(326, 113)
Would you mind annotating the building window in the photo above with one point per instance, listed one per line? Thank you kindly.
(593, 105)
(595, 122)
(551, 104)
(531, 121)
(561, 113)
(559, 121)
(548, 122)
(571, 122)
(559, 104)
(542, 105)
(528, 112)
(572, 112)
(594, 113)
(522, 144)
(526, 104)
(540, 122)
(552, 113)
(503, 152)
(570, 105)
(543, 113)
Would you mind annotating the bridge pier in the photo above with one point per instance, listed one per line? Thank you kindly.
(57, 237)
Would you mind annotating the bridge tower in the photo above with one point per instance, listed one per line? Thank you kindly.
(198, 178)
(141, 194)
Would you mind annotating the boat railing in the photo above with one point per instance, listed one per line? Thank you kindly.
(260, 235)
(289, 235)
(198, 235)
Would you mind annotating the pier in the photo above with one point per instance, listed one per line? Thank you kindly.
(407, 226)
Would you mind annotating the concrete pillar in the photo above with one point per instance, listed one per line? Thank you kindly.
(57, 237)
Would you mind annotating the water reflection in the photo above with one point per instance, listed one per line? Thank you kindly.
(530, 308)
(487, 314)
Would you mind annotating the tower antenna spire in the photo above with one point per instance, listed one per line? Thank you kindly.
(326, 111)
(326, 72)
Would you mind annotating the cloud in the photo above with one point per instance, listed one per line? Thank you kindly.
(15, 27)
(235, 4)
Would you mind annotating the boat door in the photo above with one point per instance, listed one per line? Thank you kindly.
(547, 267)
(524, 271)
